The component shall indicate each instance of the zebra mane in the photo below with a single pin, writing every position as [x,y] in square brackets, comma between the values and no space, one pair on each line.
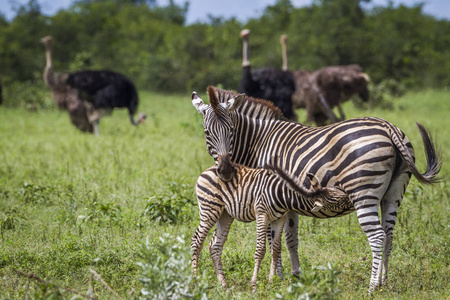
[252,107]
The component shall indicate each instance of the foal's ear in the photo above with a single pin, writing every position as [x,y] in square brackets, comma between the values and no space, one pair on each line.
[198,103]
[233,103]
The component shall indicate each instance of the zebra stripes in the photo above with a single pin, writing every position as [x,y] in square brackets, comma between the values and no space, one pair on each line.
[369,158]
[264,195]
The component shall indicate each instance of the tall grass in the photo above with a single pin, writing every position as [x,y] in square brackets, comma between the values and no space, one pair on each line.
[71,202]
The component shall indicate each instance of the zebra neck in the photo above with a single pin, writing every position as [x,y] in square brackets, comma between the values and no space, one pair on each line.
[253,137]
[248,135]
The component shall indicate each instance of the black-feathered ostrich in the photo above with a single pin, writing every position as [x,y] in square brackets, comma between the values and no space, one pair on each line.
[321,90]
[105,90]
[101,91]
[271,84]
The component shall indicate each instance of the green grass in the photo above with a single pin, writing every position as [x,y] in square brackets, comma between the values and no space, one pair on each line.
[70,202]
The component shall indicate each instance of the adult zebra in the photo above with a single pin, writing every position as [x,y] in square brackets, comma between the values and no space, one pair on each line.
[369,158]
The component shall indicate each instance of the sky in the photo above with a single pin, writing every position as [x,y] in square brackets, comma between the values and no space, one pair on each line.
[240,9]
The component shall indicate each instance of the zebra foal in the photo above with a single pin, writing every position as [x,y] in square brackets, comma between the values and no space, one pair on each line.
[264,195]
[369,158]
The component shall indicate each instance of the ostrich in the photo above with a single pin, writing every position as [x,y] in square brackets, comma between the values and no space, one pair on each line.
[101,91]
[65,97]
[321,90]
[271,84]
[338,84]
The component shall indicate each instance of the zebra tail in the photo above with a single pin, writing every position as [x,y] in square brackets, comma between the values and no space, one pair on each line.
[434,160]
[292,184]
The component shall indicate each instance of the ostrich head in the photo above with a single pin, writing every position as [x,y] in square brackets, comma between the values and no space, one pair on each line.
[363,82]
[47,40]
[140,119]
[245,33]
[218,128]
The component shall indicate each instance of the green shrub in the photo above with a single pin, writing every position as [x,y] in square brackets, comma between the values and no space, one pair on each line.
[171,207]
[382,94]
[317,283]
[165,271]
[28,95]
[10,219]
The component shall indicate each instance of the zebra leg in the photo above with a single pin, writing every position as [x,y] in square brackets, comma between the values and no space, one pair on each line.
[370,223]
[206,223]
[389,206]
[291,238]
[279,263]
[261,228]
[216,245]
[277,232]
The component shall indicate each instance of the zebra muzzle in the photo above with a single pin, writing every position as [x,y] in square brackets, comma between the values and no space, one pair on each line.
[225,168]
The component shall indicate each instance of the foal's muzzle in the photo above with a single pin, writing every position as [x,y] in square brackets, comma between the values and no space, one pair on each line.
[225,168]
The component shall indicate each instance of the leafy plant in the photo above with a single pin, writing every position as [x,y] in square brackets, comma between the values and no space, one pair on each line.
[11,219]
[383,94]
[37,194]
[168,208]
[165,271]
[101,212]
[316,283]
[28,95]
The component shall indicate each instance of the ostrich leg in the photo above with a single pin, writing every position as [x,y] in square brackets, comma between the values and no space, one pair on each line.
[341,112]
[96,132]
[328,110]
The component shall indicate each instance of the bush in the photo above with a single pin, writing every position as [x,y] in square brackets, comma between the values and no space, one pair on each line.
[317,283]
[165,271]
[383,94]
[172,207]
[28,95]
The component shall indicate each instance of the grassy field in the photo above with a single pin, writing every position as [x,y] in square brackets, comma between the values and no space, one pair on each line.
[123,205]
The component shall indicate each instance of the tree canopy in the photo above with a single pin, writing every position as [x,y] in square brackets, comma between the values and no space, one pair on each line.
[153,46]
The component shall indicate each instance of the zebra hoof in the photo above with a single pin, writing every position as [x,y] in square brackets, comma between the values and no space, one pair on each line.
[296,274]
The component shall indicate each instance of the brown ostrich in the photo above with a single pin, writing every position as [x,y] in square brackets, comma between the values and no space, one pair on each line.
[65,97]
[94,92]
[338,84]
[321,90]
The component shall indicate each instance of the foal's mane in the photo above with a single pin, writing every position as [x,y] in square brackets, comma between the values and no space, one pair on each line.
[251,107]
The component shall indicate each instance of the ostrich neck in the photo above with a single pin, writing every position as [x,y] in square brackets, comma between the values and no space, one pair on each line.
[245,56]
[48,56]
[285,59]
[49,76]
[133,121]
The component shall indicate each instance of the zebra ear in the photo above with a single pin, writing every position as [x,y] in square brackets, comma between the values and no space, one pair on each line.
[198,103]
[233,103]
[314,181]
